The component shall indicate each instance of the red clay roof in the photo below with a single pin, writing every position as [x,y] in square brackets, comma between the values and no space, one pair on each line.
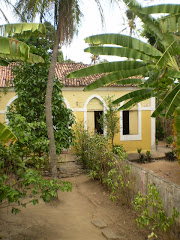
[62,69]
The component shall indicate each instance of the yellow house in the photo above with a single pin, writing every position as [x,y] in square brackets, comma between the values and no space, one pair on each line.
[136,127]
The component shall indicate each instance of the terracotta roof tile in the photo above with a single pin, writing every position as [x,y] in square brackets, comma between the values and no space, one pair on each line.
[62,69]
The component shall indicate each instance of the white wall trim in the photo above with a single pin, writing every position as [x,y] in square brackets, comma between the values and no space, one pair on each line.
[8,104]
[85,110]
[153,124]
[78,109]
[131,137]
[10,101]
[66,102]
[101,89]
[2,112]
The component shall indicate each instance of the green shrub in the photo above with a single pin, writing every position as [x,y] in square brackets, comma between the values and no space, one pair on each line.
[160,133]
[21,184]
[103,165]
[170,140]
[150,212]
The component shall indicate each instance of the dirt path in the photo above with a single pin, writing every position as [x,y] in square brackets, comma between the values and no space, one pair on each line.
[71,218]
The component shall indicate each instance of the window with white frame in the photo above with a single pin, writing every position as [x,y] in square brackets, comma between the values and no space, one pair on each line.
[130,124]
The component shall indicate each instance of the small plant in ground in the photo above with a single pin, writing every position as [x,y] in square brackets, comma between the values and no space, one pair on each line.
[144,157]
[148,156]
[157,142]
[151,214]
[110,119]
[171,156]
[169,140]
[139,150]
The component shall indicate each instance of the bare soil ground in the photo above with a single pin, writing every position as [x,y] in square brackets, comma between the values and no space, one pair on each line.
[71,217]
[166,169]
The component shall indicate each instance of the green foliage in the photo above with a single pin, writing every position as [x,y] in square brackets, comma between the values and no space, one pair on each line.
[45,42]
[6,135]
[144,157]
[105,166]
[171,156]
[14,50]
[27,116]
[118,149]
[170,139]
[110,119]
[150,212]
[160,133]
[21,184]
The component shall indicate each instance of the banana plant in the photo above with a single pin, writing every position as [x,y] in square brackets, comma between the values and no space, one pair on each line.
[157,66]
[13,50]
[6,135]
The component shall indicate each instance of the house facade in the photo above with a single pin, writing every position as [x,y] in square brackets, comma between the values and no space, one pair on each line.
[136,127]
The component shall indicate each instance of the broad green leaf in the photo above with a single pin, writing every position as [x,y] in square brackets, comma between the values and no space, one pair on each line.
[6,134]
[173,73]
[12,47]
[133,95]
[175,102]
[106,68]
[3,63]
[113,77]
[118,51]
[166,101]
[130,81]
[162,8]
[125,41]
[19,28]
[137,99]
[177,126]
[15,50]
[136,8]
[153,78]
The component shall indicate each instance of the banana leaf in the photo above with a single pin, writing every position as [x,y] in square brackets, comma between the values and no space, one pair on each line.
[177,126]
[166,101]
[125,41]
[6,135]
[161,8]
[130,81]
[106,68]
[173,104]
[133,95]
[118,51]
[139,98]
[19,28]
[116,76]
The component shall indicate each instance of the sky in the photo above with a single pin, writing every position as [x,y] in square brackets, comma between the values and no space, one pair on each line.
[115,22]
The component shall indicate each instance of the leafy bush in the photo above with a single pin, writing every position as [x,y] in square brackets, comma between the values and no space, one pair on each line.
[151,213]
[26,115]
[143,158]
[171,156]
[170,139]
[20,184]
[160,133]
[103,165]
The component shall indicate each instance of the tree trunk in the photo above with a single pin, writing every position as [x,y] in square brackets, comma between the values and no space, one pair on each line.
[48,105]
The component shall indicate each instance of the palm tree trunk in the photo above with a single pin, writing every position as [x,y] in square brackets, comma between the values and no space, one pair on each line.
[48,105]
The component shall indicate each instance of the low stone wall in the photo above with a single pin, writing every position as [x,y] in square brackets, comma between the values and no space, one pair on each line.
[169,192]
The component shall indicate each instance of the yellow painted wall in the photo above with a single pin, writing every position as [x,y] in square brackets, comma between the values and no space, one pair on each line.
[133,122]
[77,99]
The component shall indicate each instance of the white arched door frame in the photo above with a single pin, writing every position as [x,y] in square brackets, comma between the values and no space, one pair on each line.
[85,110]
